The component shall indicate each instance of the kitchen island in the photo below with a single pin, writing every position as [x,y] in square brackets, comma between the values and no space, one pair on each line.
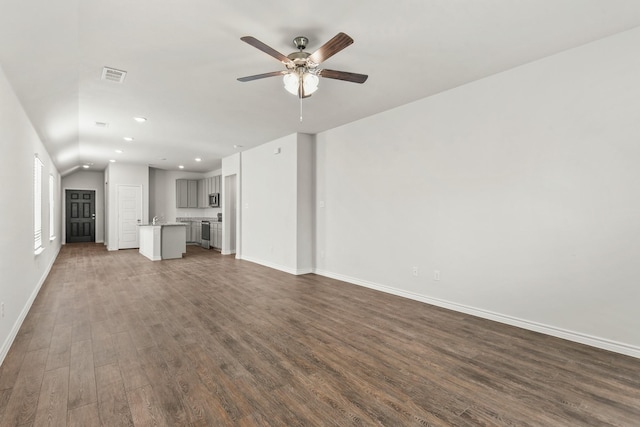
[163,241]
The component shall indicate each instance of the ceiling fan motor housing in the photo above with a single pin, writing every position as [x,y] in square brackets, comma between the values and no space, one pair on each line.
[300,42]
[299,59]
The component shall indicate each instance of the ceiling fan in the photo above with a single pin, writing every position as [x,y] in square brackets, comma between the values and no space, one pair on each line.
[301,75]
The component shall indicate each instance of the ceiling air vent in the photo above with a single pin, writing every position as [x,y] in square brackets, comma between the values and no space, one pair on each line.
[113,75]
[102,124]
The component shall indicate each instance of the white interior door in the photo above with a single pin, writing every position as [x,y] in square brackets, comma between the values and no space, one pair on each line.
[129,215]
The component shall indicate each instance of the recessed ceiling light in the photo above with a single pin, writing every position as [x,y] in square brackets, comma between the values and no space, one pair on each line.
[127,138]
[112,161]
[198,159]
[181,167]
[85,166]
[119,151]
[140,119]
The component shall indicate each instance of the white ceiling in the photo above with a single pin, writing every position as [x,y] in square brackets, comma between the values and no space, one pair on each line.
[183,58]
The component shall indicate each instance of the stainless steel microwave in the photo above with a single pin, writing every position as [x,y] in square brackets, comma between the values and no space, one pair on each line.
[214,200]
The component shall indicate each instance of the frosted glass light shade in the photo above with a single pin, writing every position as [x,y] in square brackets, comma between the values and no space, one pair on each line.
[310,82]
[292,83]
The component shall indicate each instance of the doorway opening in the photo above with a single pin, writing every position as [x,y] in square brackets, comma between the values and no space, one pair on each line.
[230,214]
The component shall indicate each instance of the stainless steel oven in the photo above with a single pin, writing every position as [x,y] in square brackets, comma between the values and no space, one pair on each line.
[206,234]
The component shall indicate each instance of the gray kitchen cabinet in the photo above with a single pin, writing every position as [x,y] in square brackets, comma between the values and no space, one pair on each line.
[203,193]
[182,193]
[186,193]
[196,232]
[188,231]
[193,194]
[214,228]
[218,236]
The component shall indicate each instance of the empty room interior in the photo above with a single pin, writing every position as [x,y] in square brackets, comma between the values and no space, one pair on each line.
[320,213]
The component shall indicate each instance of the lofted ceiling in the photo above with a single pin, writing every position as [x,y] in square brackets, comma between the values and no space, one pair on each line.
[182,58]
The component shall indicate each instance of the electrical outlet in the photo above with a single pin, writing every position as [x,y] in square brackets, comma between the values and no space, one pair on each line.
[436,274]
[415,271]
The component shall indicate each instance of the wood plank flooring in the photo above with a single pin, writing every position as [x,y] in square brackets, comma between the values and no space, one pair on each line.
[114,339]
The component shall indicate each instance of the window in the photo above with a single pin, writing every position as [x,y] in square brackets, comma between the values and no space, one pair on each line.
[37,205]
[52,230]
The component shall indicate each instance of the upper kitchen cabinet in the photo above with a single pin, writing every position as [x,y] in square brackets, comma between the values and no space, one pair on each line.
[186,193]
[207,186]
[203,192]
[191,193]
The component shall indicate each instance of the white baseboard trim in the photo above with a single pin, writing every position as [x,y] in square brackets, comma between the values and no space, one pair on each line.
[289,270]
[578,337]
[23,314]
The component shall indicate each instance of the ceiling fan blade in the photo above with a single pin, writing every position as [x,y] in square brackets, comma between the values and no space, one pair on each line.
[330,48]
[266,49]
[343,75]
[261,76]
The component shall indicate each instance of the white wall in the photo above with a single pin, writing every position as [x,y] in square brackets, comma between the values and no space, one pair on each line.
[269,204]
[305,170]
[123,174]
[276,186]
[522,189]
[86,180]
[21,272]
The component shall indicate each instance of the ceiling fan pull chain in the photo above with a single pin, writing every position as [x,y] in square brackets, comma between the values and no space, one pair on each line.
[300,109]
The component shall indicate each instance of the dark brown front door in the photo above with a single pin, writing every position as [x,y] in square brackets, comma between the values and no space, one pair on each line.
[81,216]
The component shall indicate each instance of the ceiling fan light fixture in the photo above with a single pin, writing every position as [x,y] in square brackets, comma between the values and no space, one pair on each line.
[302,74]
[310,83]
[291,82]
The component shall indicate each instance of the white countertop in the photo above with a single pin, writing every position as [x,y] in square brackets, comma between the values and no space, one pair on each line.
[164,224]
[198,219]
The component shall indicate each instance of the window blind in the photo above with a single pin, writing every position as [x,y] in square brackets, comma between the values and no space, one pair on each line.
[52,233]
[37,203]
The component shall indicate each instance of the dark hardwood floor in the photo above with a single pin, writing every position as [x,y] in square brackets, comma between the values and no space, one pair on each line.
[114,339]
